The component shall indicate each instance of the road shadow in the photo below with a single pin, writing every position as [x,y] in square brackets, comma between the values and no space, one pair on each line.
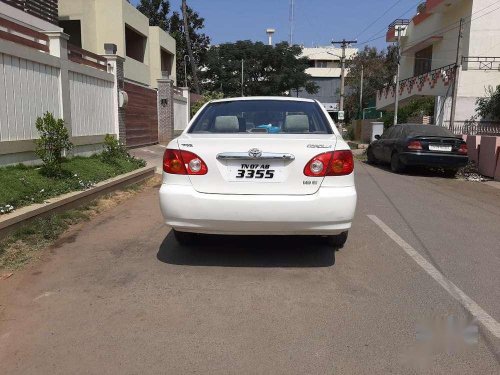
[416,171]
[248,251]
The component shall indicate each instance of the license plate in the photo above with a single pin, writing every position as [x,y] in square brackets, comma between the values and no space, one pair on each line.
[252,171]
[444,148]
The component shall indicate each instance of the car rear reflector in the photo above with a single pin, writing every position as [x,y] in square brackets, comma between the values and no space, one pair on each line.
[183,162]
[463,149]
[336,163]
[414,145]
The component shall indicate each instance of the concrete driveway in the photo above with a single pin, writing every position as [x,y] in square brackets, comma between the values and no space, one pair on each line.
[117,295]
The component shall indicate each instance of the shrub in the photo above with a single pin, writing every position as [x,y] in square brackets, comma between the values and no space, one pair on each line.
[52,144]
[113,149]
[488,107]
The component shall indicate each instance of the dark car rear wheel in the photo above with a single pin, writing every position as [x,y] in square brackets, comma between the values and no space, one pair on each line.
[337,241]
[184,238]
[370,158]
[450,173]
[397,166]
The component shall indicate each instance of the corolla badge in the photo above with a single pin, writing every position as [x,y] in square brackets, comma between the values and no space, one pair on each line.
[255,153]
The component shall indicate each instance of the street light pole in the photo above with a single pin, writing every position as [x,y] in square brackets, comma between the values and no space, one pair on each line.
[361,89]
[242,77]
[396,102]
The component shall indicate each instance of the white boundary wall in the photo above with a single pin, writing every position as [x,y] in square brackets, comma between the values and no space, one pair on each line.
[33,82]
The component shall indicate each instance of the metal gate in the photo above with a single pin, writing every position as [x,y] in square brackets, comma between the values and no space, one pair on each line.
[141,116]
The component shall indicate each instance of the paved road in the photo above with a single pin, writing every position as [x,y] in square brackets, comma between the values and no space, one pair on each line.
[118,295]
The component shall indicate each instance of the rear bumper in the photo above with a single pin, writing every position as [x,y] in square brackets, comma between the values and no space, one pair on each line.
[328,212]
[434,159]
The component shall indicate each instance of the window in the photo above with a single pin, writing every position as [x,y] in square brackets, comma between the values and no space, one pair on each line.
[423,61]
[167,60]
[262,116]
[321,63]
[74,29]
[135,44]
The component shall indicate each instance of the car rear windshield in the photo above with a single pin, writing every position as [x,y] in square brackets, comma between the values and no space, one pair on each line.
[262,116]
[426,131]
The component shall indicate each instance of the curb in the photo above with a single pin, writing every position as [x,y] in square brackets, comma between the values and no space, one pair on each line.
[74,199]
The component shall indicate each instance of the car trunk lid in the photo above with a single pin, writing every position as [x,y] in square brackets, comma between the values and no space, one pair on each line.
[257,163]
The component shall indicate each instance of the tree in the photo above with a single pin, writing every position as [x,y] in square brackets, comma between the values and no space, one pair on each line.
[267,70]
[379,70]
[423,106]
[488,107]
[158,13]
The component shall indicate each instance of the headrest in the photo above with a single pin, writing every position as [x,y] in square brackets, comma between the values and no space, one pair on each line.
[297,124]
[227,124]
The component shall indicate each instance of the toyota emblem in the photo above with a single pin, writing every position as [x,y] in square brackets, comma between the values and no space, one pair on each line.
[255,153]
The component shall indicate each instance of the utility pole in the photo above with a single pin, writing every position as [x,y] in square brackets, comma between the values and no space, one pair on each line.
[458,66]
[242,77]
[189,49]
[361,89]
[186,57]
[399,29]
[291,20]
[343,44]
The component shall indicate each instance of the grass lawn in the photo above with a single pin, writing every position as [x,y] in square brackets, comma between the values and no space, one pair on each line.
[21,185]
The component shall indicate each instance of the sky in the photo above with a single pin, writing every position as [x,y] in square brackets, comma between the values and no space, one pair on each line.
[317,22]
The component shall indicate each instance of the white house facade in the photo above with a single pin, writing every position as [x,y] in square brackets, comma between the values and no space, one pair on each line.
[447,41]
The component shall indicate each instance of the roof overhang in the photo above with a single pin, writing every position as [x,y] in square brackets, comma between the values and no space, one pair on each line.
[423,44]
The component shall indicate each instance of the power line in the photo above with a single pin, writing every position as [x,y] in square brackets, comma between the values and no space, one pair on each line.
[449,27]
[384,29]
[379,18]
[453,25]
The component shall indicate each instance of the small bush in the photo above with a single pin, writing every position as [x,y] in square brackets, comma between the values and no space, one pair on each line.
[52,144]
[113,149]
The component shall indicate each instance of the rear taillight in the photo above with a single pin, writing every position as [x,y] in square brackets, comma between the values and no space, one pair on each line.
[183,162]
[463,149]
[414,145]
[336,163]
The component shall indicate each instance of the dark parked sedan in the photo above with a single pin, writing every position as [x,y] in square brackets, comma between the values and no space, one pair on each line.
[422,145]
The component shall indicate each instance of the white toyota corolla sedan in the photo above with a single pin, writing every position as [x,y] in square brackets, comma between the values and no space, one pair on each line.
[259,166]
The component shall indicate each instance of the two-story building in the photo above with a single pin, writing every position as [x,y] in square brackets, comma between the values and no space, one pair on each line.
[149,51]
[444,34]
[324,68]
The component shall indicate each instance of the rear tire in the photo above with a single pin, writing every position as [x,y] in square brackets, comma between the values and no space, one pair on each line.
[450,173]
[184,238]
[337,241]
[397,166]
[370,158]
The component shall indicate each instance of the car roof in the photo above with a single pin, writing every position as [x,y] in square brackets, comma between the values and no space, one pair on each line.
[247,98]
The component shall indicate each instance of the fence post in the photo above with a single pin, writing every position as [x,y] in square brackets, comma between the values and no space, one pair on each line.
[115,66]
[165,110]
[58,47]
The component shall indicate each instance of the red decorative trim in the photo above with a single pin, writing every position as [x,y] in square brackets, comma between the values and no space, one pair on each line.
[446,74]
[421,17]
[432,4]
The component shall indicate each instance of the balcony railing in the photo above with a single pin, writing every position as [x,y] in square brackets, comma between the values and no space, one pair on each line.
[45,9]
[481,63]
[399,22]
[445,73]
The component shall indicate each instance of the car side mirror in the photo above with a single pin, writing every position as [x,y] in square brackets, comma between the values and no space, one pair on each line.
[377,137]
